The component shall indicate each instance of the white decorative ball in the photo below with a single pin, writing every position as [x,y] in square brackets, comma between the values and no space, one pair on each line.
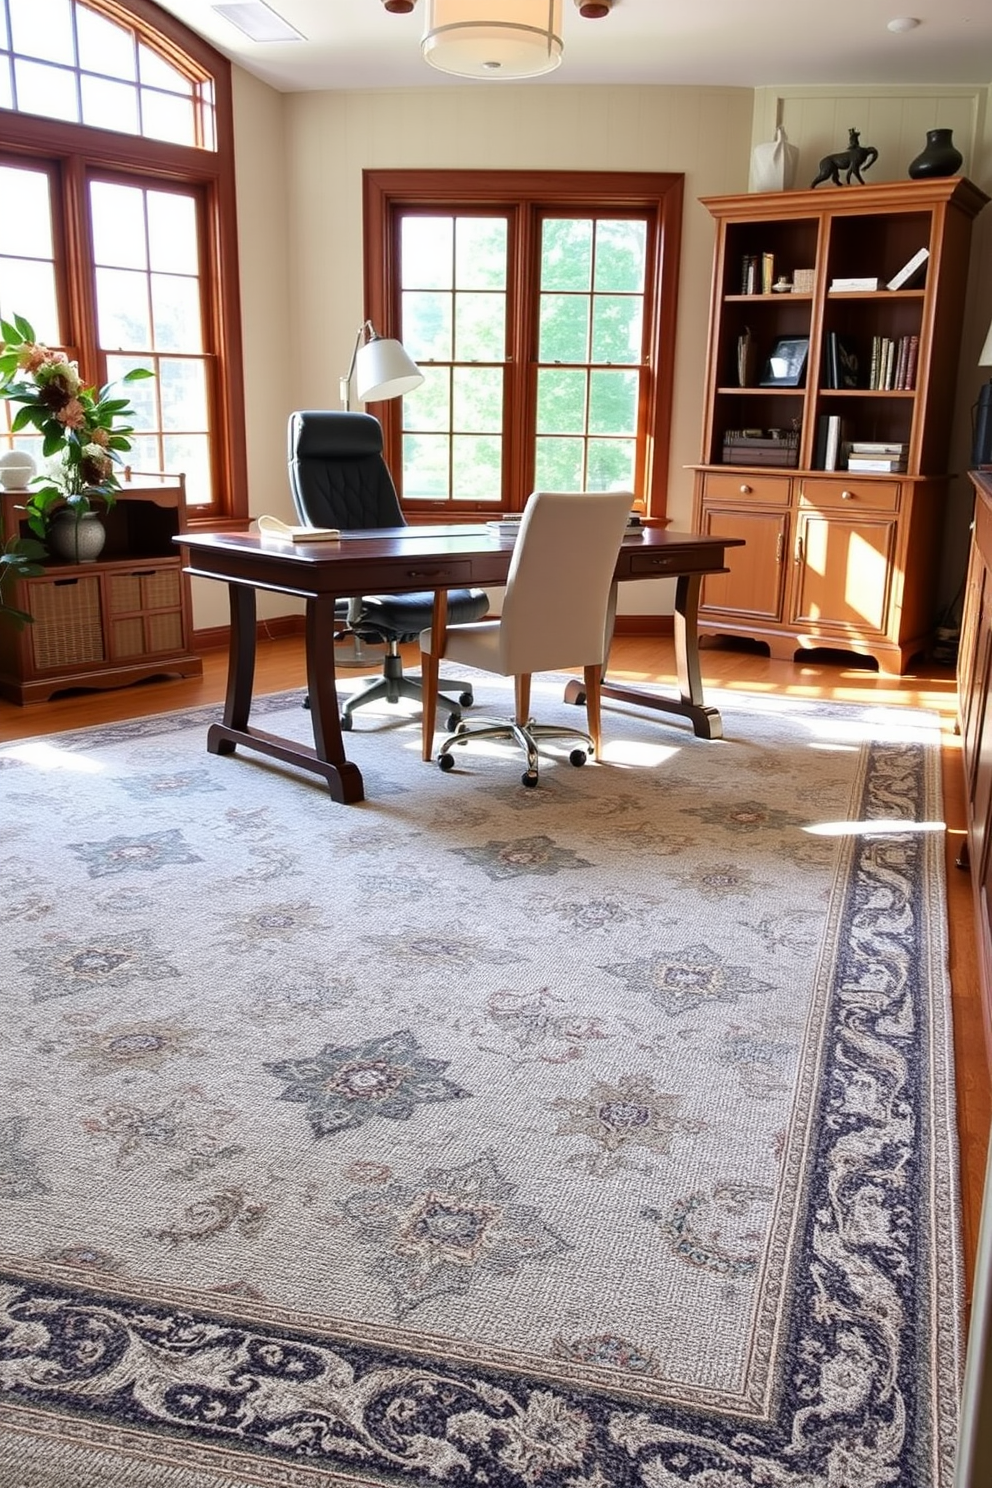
[16,469]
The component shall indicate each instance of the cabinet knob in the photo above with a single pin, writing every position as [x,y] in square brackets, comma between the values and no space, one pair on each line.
[847,496]
[745,490]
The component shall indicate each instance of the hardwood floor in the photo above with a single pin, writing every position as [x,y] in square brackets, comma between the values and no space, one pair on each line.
[640,658]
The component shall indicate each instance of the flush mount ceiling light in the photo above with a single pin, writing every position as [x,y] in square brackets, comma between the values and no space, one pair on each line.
[903,23]
[258,22]
[512,39]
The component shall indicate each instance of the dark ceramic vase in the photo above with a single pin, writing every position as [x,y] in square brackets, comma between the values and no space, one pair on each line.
[940,158]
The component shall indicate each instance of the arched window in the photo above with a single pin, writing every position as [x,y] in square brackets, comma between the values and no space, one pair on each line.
[117,237]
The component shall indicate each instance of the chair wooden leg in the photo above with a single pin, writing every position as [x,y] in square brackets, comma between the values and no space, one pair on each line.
[521,694]
[594,681]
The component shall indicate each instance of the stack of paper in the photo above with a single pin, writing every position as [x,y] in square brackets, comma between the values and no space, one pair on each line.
[505,527]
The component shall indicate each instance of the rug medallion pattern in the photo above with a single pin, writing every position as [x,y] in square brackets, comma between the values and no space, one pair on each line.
[597,1136]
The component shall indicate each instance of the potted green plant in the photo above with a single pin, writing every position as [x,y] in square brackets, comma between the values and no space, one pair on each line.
[18,560]
[84,432]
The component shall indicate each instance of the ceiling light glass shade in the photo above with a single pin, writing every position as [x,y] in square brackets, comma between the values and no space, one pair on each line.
[493,38]
[383,369]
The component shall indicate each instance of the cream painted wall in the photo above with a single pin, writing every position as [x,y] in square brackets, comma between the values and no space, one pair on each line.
[300,163]
[264,231]
[333,137]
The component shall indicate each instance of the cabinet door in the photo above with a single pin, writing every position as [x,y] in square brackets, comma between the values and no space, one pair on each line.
[844,567]
[753,587]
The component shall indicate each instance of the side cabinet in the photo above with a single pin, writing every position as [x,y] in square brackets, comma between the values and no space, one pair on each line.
[125,618]
[838,564]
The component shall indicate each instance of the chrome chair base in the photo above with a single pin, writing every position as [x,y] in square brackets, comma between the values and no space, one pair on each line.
[527,735]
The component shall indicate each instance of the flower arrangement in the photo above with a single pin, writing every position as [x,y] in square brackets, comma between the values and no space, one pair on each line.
[84,431]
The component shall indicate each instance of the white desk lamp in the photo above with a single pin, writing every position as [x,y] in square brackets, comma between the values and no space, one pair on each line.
[381,368]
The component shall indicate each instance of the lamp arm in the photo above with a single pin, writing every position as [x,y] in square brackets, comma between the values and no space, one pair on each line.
[345,387]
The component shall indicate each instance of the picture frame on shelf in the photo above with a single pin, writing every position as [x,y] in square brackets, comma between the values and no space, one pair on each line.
[786,365]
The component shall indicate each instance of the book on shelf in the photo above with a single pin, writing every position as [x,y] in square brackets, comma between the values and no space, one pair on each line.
[832,442]
[878,448]
[839,286]
[910,270]
[893,363]
[842,361]
[767,272]
[876,464]
[745,357]
[749,274]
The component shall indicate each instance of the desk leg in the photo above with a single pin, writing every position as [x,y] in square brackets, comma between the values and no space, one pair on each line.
[706,721]
[344,778]
[221,738]
[326,758]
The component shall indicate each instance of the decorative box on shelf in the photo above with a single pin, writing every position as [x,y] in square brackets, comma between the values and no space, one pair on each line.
[745,447]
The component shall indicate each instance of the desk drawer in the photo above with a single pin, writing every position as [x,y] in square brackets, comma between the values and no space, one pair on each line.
[768,490]
[440,573]
[657,561]
[848,493]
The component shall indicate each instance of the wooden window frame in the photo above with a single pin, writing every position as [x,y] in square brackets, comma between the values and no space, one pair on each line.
[71,152]
[526,194]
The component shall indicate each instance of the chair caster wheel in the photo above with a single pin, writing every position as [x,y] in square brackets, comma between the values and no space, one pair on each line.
[346,723]
[306,701]
[529,778]
[445,762]
[466,699]
[577,757]
[453,720]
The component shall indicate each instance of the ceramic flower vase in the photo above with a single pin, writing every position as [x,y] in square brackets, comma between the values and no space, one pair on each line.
[76,539]
[941,157]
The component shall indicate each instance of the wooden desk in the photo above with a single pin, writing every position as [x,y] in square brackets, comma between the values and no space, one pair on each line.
[412,558]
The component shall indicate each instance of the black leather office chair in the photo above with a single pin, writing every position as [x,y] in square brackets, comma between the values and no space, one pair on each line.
[338,478]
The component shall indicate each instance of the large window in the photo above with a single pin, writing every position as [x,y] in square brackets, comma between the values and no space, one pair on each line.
[541,311]
[118,247]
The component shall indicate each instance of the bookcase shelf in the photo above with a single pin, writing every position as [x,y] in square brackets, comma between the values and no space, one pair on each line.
[833,558]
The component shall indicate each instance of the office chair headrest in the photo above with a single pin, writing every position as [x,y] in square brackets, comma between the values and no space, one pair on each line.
[317,434]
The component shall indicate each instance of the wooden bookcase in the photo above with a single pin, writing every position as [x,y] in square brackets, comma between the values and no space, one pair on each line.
[833,558]
[124,618]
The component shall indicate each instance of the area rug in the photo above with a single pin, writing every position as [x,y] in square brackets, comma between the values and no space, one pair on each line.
[581,1137]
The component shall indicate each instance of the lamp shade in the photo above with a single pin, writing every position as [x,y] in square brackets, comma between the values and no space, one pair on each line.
[486,39]
[985,355]
[383,369]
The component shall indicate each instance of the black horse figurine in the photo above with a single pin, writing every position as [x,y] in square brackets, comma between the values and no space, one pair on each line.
[856,158]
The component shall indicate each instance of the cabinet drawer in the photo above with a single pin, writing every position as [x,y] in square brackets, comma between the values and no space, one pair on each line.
[143,589]
[67,629]
[764,490]
[851,494]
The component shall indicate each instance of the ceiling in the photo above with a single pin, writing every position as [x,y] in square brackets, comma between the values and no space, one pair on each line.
[358,44]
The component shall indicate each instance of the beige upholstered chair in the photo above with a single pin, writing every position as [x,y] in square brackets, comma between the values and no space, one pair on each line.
[558,612]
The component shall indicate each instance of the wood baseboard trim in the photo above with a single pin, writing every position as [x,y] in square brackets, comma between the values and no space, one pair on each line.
[218,637]
[644,625]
